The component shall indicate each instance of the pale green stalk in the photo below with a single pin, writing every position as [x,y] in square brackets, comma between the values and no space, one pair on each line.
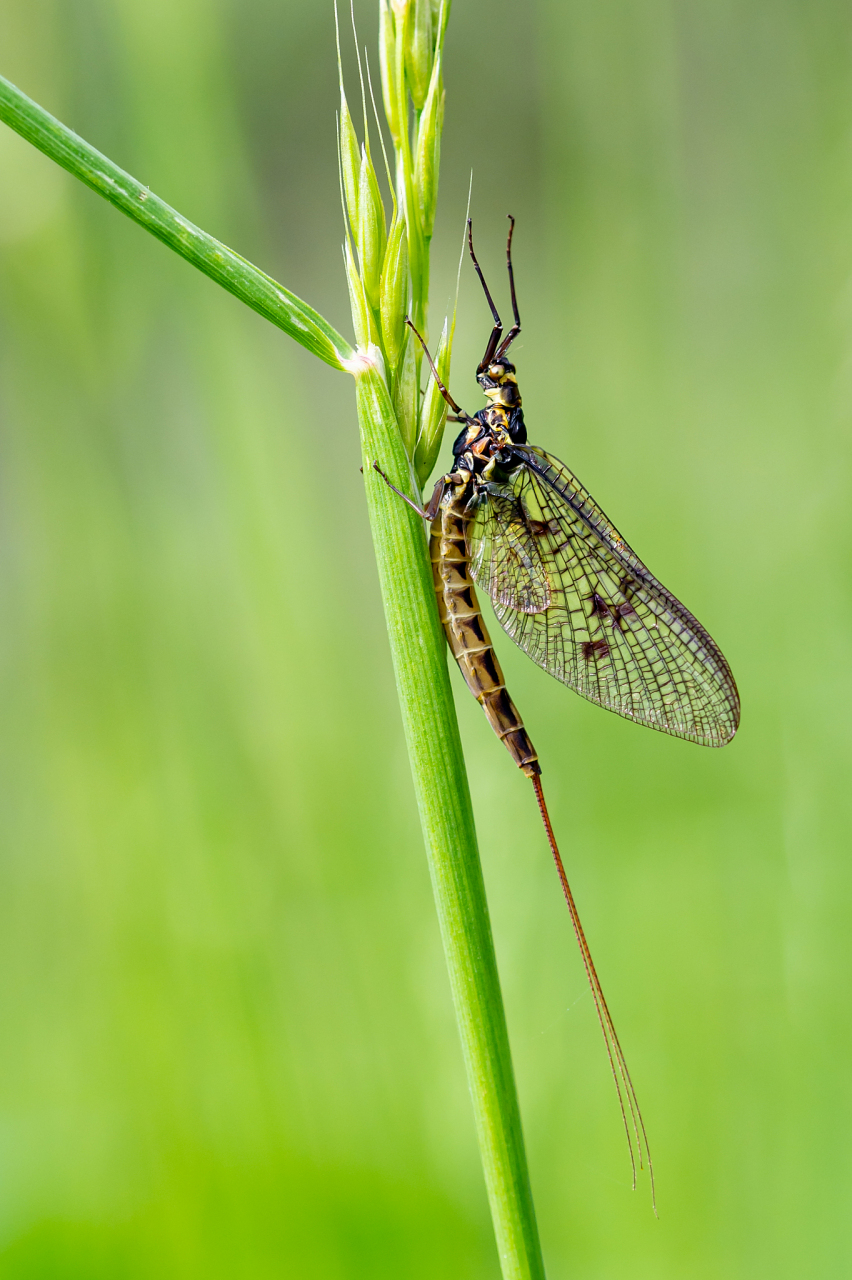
[440,780]
[417,643]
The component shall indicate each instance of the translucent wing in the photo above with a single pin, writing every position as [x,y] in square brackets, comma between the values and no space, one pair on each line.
[504,555]
[574,596]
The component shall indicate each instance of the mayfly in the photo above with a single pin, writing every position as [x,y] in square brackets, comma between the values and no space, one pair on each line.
[571,593]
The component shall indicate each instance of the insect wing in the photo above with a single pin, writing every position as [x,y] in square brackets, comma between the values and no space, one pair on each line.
[609,629]
[505,559]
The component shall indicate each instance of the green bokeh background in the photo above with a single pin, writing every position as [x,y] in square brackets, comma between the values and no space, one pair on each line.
[227,1044]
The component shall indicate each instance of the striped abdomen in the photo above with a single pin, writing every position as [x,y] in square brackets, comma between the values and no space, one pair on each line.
[468,638]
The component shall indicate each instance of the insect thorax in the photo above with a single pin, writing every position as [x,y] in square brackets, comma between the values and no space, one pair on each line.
[490,430]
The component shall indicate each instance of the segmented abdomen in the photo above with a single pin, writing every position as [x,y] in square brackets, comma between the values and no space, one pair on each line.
[468,637]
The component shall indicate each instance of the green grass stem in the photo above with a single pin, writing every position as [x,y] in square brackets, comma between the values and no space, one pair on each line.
[419,654]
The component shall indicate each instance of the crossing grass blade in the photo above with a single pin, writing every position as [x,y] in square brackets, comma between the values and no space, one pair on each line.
[241,278]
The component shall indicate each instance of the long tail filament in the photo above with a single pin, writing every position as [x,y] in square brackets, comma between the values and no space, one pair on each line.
[634,1125]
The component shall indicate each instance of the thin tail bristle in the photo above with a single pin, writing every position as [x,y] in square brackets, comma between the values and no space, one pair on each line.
[634,1125]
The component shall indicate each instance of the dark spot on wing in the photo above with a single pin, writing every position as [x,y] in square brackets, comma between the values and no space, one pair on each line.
[538,528]
[593,649]
[620,612]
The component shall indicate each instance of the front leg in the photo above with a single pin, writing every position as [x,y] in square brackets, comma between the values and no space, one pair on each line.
[431,509]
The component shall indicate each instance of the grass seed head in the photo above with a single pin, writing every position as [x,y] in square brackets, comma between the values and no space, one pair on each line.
[370,229]
[393,302]
[428,154]
[419,50]
[393,92]
[406,393]
[362,320]
[433,416]
[350,162]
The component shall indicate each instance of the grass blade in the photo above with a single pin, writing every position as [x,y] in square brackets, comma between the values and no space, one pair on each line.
[241,278]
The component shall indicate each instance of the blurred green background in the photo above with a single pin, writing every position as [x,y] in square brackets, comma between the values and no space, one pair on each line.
[227,1044]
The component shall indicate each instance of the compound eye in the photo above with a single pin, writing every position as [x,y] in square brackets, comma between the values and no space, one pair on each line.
[496,372]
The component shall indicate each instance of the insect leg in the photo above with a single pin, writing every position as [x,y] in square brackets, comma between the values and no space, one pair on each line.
[516,327]
[443,390]
[498,323]
[431,509]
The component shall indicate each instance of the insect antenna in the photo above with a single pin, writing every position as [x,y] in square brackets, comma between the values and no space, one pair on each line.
[516,327]
[498,323]
[634,1126]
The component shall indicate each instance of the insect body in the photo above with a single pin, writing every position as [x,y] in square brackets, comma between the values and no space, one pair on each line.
[465,627]
[572,594]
